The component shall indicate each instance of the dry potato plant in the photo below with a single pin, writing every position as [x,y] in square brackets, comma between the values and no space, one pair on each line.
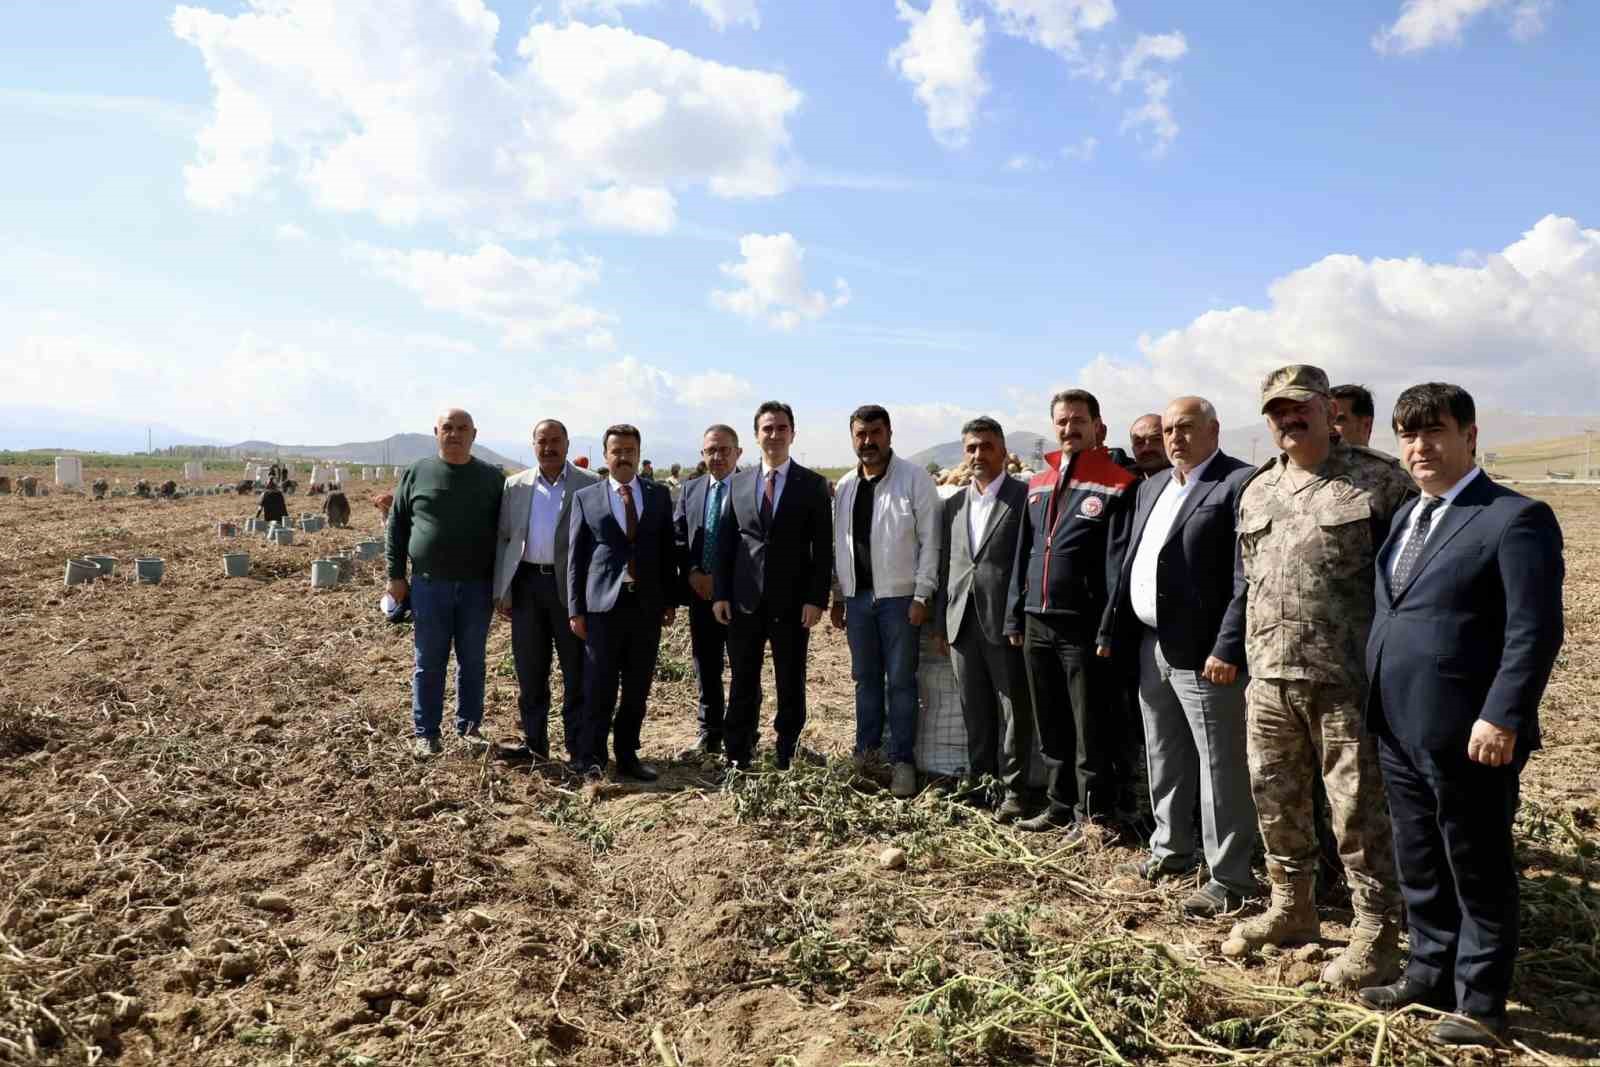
[218,849]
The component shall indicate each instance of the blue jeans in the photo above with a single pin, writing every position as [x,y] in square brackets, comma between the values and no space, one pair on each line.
[449,613]
[883,649]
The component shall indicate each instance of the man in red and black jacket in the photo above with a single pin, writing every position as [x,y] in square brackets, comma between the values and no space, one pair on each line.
[1068,556]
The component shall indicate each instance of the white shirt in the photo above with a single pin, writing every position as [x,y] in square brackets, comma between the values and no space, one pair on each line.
[544,511]
[618,512]
[979,507]
[1142,590]
[777,488]
[1448,497]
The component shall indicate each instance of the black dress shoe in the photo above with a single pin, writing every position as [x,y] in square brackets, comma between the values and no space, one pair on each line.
[782,760]
[632,768]
[1405,992]
[584,768]
[1464,1029]
[739,763]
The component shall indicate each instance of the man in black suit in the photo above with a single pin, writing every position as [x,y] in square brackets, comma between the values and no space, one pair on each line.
[697,523]
[772,584]
[622,577]
[977,614]
[1178,629]
[1468,624]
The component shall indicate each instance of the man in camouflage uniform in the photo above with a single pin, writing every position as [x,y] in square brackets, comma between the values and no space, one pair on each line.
[1310,525]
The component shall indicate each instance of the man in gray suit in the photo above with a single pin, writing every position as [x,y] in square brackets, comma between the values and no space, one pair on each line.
[977,614]
[530,587]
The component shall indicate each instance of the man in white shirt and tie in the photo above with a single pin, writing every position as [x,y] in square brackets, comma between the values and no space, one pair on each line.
[697,523]
[530,586]
[1178,627]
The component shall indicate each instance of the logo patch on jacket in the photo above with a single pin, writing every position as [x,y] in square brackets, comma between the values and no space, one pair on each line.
[1092,507]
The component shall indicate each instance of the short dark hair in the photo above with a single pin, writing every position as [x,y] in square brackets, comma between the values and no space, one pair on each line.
[620,429]
[773,407]
[1359,398]
[1076,396]
[983,424]
[722,427]
[557,423]
[1425,405]
[871,413]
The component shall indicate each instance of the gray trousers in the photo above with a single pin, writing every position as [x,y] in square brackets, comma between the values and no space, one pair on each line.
[1194,733]
[995,705]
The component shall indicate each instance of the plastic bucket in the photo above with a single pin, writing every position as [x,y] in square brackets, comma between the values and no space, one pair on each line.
[82,571]
[283,535]
[366,550]
[107,564]
[236,564]
[149,569]
[227,529]
[324,574]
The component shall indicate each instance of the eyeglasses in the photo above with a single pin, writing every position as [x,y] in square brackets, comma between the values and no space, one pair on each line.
[713,453]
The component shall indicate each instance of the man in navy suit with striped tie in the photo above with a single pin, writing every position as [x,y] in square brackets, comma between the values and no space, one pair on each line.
[701,507]
[1466,631]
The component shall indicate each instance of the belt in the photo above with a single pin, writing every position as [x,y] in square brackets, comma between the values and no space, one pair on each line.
[631,588]
[537,568]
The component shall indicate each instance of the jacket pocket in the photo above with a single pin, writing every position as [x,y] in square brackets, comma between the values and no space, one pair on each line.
[1346,536]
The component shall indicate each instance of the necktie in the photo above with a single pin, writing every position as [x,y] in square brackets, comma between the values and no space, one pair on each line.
[1413,546]
[708,551]
[632,526]
[766,499]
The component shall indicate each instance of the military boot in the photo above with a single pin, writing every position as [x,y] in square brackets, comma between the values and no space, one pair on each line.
[1291,919]
[1373,956]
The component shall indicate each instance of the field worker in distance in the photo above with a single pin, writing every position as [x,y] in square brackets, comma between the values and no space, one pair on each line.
[443,522]
[1353,414]
[1148,448]
[1070,551]
[1469,621]
[773,574]
[530,588]
[886,565]
[1310,523]
[1178,630]
[697,523]
[622,577]
[272,507]
[977,616]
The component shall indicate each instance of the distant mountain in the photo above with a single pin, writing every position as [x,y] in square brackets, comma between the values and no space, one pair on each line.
[949,454]
[48,429]
[398,449]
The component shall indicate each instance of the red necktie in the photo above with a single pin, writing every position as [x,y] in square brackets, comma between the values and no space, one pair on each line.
[766,499]
[632,527]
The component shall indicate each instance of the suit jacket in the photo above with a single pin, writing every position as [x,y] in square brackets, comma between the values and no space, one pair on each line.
[689,526]
[1199,608]
[1475,631]
[980,578]
[598,550]
[514,507]
[783,567]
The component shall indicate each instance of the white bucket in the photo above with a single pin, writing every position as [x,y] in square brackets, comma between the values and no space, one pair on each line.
[69,470]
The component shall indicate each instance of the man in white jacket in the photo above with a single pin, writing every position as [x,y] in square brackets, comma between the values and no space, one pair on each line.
[886,565]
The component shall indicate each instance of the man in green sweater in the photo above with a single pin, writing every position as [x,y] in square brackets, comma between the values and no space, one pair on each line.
[444,520]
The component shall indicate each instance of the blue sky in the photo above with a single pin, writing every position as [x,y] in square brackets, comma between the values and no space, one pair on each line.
[668,211]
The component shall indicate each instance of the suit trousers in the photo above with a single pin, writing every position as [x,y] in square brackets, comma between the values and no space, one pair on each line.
[995,704]
[538,626]
[620,654]
[1194,734]
[708,645]
[1453,848]
[1074,711]
[748,637]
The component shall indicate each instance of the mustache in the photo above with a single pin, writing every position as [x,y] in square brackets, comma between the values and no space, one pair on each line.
[1289,426]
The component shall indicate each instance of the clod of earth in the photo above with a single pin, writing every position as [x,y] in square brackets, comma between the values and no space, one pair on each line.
[892,859]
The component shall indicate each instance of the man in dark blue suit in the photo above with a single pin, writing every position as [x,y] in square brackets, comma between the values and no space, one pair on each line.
[1467,628]
[697,524]
[622,573]
[772,584]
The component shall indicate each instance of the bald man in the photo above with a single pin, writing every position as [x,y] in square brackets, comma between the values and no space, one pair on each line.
[1149,452]
[445,523]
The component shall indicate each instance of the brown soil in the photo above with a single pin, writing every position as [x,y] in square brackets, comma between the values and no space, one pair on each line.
[216,847]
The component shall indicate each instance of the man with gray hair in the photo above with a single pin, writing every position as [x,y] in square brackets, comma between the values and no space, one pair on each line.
[1178,629]
[444,520]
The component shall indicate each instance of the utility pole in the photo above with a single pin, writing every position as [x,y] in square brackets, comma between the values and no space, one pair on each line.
[1588,454]
[148,447]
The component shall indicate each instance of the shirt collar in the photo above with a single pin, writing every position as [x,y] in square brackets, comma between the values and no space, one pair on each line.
[1199,469]
[632,484]
[782,468]
[1450,494]
[992,492]
[539,474]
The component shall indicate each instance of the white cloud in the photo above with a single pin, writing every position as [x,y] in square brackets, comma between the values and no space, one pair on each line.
[401,109]
[773,275]
[940,58]
[711,388]
[532,302]
[1022,163]
[1053,24]
[1425,24]
[1518,330]
[1083,150]
[1138,65]
[722,13]
[290,233]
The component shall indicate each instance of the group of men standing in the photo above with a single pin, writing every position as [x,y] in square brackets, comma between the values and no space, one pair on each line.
[1308,619]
